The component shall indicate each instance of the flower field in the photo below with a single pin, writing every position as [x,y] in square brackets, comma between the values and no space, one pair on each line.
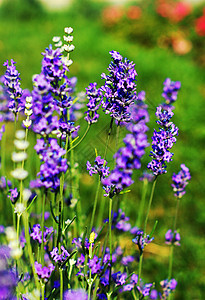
[101,140]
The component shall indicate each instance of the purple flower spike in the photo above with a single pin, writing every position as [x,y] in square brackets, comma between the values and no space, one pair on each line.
[94,97]
[162,142]
[172,238]
[180,181]
[53,163]
[75,295]
[12,84]
[14,195]
[119,90]
[44,273]
[129,157]
[170,92]
[142,240]
[100,167]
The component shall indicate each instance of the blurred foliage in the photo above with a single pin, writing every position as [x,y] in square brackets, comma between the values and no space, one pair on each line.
[21,9]
[24,38]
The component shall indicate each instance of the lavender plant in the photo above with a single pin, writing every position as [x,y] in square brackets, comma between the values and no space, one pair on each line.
[74,257]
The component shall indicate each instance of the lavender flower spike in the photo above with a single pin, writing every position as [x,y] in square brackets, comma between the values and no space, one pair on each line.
[180,181]
[94,96]
[162,141]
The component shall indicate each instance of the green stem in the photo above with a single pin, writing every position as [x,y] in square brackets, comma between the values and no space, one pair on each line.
[110,228]
[172,246]
[18,225]
[42,228]
[30,253]
[84,135]
[134,294]
[94,207]
[142,203]
[61,283]
[149,205]
[145,224]
[108,137]
[42,291]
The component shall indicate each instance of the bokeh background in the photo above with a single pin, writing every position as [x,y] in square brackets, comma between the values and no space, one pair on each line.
[165,38]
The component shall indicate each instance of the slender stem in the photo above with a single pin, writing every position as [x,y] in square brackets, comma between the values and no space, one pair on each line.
[28,244]
[110,228]
[117,136]
[61,283]
[89,285]
[142,203]
[145,225]
[95,205]
[172,245]
[42,228]
[84,135]
[96,288]
[42,291]
[134,294]
[149,205]
[108,137]
[18,225]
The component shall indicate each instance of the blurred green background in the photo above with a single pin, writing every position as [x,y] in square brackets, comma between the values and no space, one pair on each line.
[27,27]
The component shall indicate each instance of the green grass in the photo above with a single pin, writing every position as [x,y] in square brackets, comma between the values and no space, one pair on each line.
[25,40]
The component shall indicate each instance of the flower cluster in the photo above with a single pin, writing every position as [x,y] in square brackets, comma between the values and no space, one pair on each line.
[59,257]
[94,97]
[8,279]
[142,240]
[13,88]
[44,273]
[180,181]
[119,90]
[172,238]
[36,233]
[100,167]
[170,92]
[129,157]
[53,163]
[162,141]
[5,114]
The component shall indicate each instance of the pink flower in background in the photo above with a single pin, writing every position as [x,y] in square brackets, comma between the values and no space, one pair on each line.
[112,15]
[200,25]
[174,11]
[134,12]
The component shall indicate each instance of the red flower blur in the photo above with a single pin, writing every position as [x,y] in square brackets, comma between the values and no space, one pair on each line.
[200,25]
[173,11]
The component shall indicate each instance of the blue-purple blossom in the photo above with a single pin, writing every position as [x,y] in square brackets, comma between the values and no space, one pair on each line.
[162,142]
[180,181]
[170,92]
[120,221]
[146,176]
[36,233]
[172,238]
[8,280]
[13,88]
[129,157]
[75,295]
[4,183]
[53,162]
[119,90]
[13,195]
[5,113]
[100,167]
[59,256]
[94,97]
[142,240]
[168,286]
[44,273]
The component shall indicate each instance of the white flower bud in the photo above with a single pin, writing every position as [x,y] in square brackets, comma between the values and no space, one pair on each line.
[68,30]
[68,39]
[19,208]
[19,174]
[66,61]
[28,105]
[20,134]
[28,112]
[27,123]
[26,194]
[21,145]
[28,99]
[18,157]
[56,39]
